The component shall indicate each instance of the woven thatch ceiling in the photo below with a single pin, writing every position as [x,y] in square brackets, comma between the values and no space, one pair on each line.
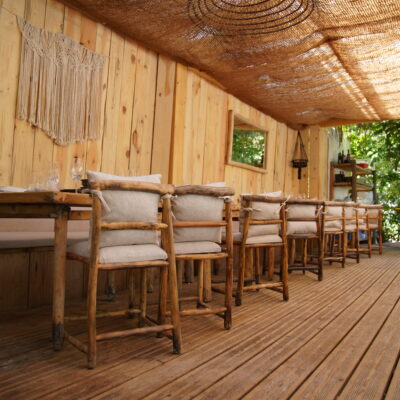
[332,61]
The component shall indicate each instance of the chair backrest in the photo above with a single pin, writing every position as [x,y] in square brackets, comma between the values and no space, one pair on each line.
[263,208]
[303,216]
[351,214]
[372,213]
[333,215]
[128,202]
[198,203]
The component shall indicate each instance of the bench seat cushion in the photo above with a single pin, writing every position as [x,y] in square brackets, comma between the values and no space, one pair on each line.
[121,254]
[237,237]
[21,240]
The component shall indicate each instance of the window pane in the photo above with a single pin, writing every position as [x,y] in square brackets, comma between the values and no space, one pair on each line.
[248,147]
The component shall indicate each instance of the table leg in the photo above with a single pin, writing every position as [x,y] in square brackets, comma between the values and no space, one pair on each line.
[60,249]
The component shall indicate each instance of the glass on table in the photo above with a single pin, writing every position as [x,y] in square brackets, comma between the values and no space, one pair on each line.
[76,172]
[53,179]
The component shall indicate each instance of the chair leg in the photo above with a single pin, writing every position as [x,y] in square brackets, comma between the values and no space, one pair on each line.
[271,263]
[189,271]
[91,320]
[180,265]
[131,288]
[200,283]
[369,237]
[228,293]
[110,291]
[207,281]
[284,272]
[320,260]
[304,254]
[257,265]
[162,300]
[143,296]
[357,242]
[242,263]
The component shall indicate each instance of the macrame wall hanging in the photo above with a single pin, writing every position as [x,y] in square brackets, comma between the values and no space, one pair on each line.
[59,85]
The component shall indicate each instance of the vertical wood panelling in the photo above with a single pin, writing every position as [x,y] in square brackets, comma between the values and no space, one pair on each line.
[163,117]
[24,133]
[10,48]
[143,112]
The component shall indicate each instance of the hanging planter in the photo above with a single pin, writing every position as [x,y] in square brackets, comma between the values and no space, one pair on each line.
[300,159]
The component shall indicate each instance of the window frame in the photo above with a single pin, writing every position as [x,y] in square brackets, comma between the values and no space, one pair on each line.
[232,115]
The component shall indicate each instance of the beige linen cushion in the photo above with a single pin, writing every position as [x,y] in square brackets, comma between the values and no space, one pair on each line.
[190,207]
[333,212]
[263,211]
[121,254]
[197,247]
[301,227]
[237,237]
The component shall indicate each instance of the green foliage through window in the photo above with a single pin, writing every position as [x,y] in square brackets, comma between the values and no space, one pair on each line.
[380,142]
[248,147]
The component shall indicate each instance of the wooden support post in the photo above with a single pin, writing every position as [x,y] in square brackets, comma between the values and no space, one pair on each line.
[60,250]
[257,265]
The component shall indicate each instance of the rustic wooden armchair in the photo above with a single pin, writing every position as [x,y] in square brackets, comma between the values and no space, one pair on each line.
[263,226]
[352,238]
[123,236]
[304,225]
[199,213]
[334,232]
[373,218]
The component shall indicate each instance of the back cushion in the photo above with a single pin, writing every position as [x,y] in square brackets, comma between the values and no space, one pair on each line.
[263,211]
[373,212]
[129,206]
[191,207]
[301,211]
[333,212]
[350,212]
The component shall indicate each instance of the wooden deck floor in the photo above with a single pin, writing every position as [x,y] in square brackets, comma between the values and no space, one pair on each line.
[339,338]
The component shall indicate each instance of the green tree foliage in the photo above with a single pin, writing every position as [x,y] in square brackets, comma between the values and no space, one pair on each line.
[380,142]
[248,147]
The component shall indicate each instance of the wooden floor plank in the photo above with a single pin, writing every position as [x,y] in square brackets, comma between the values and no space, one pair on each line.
[289,376]
[372,375]
[393,392]
[275,349]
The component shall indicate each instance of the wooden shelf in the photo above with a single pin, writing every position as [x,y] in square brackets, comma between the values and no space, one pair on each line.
[349,167]
[361,187]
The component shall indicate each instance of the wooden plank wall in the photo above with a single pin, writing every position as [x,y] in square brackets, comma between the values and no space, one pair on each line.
[137,101]
[158,116]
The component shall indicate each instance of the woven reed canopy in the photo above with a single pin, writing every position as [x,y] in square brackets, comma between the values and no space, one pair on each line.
[303,62]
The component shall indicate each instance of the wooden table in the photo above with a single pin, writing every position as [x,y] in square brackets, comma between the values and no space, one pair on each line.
[56,205]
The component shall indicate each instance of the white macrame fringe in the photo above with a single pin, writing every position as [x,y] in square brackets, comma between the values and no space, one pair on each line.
[59,85]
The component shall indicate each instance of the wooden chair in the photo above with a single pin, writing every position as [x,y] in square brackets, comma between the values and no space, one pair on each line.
[373,214]
[352,240]
[334,232]
[263,226]
[304,225]
[199,213]
[123,236]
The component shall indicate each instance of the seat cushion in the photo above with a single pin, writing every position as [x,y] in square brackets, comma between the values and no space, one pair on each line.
[237,237]
[197,247]
[20,240]
[373,226]
[121,254]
